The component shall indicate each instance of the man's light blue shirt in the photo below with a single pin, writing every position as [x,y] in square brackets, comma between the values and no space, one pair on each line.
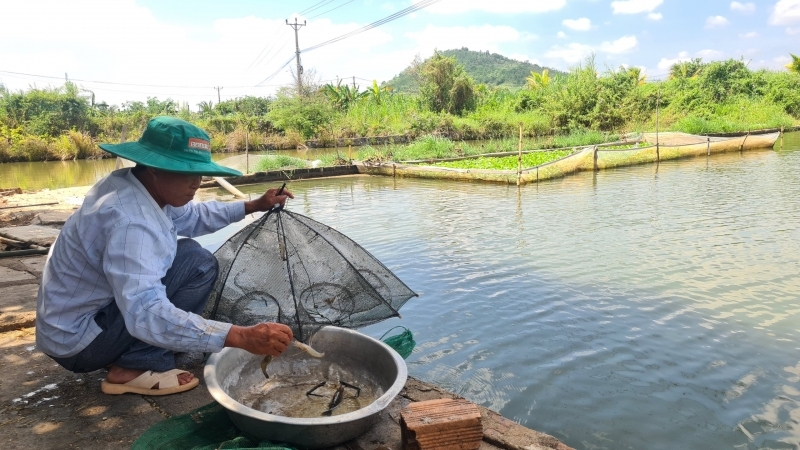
[119,245]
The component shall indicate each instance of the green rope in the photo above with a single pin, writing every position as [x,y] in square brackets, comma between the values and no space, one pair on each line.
[402,343]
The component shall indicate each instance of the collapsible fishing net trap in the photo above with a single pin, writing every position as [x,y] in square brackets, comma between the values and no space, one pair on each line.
[288,268]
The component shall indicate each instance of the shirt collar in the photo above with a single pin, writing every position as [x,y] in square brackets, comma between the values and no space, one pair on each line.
[138,184]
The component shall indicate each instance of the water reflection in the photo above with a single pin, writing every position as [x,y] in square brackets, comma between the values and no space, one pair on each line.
[61,174]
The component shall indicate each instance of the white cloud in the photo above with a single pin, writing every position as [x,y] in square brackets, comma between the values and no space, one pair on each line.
[786,12]
[484,37]
[497,7]
[634,6]
[716,21]
[581,24]
[749,35]
[655,16]
[575,52]
[666,63]
[561,35]
[778,63]
[743,7]
[222,54]
[792,31]
[709,54]
[621,45]
[572,53]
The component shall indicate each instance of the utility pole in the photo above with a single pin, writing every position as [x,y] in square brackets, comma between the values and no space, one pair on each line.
[354,82]
[219,99]
[296,26]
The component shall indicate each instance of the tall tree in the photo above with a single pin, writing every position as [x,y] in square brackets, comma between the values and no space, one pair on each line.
[445,86]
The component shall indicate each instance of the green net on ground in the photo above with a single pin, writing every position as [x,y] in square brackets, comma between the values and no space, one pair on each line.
[402,343]
[206,428]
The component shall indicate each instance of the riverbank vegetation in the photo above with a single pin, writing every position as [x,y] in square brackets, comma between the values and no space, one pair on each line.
[588,105]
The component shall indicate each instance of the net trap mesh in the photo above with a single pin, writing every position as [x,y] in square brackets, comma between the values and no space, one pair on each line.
[288,268]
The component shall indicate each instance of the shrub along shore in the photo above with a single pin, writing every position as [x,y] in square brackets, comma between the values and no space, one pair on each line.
[586,106]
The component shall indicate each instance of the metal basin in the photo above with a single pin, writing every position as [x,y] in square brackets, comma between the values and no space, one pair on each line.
[347,348]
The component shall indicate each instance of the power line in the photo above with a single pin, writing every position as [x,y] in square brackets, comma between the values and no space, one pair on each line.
[150,93]
[326,12]
[311,7]
[118,84]
[276,72]
[276,53]
[414,8]
[316,6]
[274,40]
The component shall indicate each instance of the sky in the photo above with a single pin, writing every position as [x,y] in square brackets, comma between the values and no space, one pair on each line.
[203,50]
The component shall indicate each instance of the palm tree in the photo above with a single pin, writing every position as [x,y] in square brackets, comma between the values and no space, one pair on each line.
[206,108]
[636,74]
[686,69]
[538,80]
[794,66]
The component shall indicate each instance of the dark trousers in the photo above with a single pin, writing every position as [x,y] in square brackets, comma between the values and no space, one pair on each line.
[189,282]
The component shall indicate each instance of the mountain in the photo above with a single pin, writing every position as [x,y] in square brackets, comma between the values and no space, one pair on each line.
[487,68]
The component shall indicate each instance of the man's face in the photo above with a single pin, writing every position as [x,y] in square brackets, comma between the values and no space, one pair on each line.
[175,189]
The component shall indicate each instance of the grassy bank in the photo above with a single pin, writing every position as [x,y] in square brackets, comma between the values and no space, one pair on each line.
[585,106]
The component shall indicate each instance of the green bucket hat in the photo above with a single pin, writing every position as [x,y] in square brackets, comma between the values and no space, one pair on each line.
[173,145]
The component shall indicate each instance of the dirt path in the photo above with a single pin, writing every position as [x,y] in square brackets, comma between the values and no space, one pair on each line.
[20,209]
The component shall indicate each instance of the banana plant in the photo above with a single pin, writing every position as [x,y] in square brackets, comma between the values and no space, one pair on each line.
[538,80]
[377,93]
[342,95]
[794,66]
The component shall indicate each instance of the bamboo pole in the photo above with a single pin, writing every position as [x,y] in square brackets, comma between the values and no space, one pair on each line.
[781,138]
[708,145]
[519,157]
[658,104]
[29,206]
[229,187]
[247,152]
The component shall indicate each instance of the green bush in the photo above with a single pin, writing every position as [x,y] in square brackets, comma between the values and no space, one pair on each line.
[577,107]
[306,115]
[278,162]
[424,147]
[30,148]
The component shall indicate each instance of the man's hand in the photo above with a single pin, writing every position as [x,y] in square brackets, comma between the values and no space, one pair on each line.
[261,339]
[267,201]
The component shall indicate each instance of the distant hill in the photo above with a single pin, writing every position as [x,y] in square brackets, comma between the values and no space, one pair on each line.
[487,68]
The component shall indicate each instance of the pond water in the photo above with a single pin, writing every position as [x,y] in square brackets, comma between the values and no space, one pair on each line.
[60,174]
[648,307]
